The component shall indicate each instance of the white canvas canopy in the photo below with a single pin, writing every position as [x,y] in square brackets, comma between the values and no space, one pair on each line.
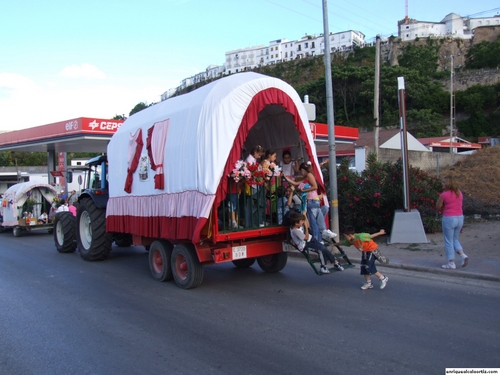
[15,197]
[166,163]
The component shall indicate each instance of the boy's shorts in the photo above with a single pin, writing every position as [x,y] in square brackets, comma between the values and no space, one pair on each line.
[368,264]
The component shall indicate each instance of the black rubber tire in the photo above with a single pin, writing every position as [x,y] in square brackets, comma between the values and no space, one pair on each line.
[65,232]
[123,239]
[92,240]
[160,256]
[16,231]
[273,263]
[244,263]
[186,268]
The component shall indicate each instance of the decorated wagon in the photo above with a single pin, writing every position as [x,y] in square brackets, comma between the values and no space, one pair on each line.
[169,172]
[24,204]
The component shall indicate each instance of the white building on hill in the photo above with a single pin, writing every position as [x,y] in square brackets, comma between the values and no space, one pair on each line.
[453,25]
[279,50]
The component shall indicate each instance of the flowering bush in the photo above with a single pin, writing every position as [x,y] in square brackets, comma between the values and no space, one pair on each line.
[368,200]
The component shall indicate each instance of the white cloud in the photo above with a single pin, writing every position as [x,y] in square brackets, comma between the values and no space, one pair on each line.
[82,71]
[24,104]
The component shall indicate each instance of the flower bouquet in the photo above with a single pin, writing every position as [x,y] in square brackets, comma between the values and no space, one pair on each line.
[240,171]
[273,170]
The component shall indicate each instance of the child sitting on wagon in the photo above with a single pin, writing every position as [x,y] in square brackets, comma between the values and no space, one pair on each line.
[301,238]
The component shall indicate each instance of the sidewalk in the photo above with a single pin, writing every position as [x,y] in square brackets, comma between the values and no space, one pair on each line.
[480,240]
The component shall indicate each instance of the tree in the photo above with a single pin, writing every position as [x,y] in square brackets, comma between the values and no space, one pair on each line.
[484,55]
[25,159]
[423,59]
[138,107]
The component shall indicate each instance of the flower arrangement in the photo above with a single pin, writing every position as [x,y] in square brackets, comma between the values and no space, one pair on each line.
[273,170]
[240,171]
[254,173]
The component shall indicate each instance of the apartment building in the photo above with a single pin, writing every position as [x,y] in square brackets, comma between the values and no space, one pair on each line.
[279,50]
[243,59]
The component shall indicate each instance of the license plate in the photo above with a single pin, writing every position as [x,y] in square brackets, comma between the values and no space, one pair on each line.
[239,252]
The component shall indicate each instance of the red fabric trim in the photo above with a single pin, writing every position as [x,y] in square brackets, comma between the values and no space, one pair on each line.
[148,146]
[250,118]
[134,164]
[159,181]
[172,228]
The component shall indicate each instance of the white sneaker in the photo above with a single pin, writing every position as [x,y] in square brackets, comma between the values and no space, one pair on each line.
[328,234]
[367,286]
[323,269]
[465,260]
[384,282]
[449,266]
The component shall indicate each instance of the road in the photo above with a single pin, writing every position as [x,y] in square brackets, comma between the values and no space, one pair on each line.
[62,315]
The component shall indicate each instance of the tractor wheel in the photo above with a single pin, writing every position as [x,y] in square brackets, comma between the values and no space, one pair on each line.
[65,232]
[160,254]
[273,263]
[186,268]
[244,263]
[93,241]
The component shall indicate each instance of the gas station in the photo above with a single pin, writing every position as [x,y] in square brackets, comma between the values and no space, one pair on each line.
[82,134]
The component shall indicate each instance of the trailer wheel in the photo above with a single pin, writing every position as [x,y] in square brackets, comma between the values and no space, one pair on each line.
[16,231]
[273,263]
[93,241]
[244,263]
[160,254]
[64,232]
[186,268]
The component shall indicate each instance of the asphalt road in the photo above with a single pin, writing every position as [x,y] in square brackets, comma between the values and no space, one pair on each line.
[62,315]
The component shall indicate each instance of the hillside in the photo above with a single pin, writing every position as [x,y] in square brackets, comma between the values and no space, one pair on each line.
[479,180]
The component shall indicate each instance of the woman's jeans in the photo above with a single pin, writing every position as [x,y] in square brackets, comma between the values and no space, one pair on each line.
[452,225]
[316,218]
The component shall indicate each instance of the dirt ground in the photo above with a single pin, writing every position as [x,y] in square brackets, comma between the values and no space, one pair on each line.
[476,236]
[479,175]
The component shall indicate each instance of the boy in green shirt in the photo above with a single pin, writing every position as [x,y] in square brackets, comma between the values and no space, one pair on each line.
[364,243]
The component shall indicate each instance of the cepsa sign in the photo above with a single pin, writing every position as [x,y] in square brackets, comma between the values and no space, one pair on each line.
[100,126]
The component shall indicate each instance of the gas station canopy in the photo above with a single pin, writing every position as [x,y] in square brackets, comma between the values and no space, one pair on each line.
[83,134]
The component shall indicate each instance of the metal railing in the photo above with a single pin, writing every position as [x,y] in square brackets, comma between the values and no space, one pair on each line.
[251,206]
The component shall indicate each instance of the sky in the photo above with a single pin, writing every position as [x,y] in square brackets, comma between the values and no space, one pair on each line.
[63,59]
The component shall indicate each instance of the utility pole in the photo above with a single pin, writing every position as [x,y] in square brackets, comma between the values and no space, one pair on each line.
[376,100]
[334,202]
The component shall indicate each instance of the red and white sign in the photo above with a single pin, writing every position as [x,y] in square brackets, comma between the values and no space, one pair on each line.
[100,126]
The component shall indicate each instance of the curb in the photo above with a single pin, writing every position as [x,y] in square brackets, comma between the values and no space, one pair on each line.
[436,271]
